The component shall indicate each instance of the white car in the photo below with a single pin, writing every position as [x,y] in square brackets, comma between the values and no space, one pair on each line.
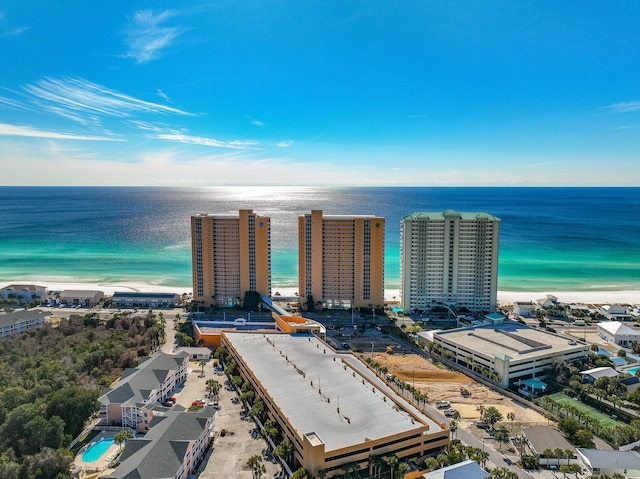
[450,412]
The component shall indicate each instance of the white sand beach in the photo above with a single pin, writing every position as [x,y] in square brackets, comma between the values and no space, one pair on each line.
[391,295]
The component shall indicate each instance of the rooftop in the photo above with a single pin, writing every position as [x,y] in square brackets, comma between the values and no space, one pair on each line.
[162,451]
[544,437]
[19,316]
[136,384]
[127,294]
[442,215]
[611,459]
[23,287]
[601,372]
[463,470]
[331,397]
[616,327]
[517,341]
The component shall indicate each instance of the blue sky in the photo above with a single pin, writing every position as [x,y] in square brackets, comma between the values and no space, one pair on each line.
[319,93]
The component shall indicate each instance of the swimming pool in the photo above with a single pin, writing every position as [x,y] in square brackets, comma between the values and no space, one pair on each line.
[632,371]
[95,451]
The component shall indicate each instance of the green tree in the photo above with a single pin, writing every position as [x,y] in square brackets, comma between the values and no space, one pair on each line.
[375,462]
[403,468]
[122,436]
[569,426]
[257,408]
[301,473]
[256,466]
[74,406]
[502,473]
[502,436]
[391,461]
[47,464]
[251,300]
[491,416]
[284,450]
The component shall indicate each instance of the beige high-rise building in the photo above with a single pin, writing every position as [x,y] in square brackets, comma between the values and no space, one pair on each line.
[230,256]
[449,259]
[341,259]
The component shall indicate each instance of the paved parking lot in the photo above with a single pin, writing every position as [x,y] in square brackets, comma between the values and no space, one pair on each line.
[230,452]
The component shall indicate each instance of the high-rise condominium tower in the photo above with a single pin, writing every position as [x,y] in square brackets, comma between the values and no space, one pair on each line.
[341,260]
[230,256]
[449,259]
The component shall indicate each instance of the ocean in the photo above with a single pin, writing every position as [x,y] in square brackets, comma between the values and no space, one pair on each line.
[570,239]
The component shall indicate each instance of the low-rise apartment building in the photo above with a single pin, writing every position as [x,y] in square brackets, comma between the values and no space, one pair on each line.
[131,402]
[20,321]
[171,449]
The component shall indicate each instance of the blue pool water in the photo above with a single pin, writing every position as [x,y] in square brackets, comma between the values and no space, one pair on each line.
[396,310]
[95,451]
[632,371]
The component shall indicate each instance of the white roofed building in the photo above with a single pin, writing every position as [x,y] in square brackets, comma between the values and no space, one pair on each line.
[23,293]
[598,462]
[618,333]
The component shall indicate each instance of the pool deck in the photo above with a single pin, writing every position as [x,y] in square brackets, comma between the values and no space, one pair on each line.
[100,464]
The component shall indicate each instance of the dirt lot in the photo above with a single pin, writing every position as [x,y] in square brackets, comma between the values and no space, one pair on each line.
[443,384]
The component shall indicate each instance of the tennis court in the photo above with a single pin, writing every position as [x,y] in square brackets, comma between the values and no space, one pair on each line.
[603,419]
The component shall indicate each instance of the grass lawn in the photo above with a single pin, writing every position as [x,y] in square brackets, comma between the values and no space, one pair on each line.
[603,419]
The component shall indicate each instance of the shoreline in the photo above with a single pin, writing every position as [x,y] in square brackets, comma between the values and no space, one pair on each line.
[391,295]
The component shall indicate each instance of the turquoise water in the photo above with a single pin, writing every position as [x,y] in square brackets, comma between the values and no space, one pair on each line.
[97,450]
[551,239]
[633,371]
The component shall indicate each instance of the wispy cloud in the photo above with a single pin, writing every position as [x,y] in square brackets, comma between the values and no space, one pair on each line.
[203,141]
[15,130]
[14,104]
[82,100]
[284,144]
[147,36]
[163,95]
[258,123]
[14,32]
[624,107]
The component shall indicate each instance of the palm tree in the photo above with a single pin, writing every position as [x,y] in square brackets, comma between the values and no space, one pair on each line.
[256,466]
[392,462]
[453,427]
[202,364]
[301,473]
[403,468]
[559,454]
[214,387]
[511,416]
[502,436]
[375,462]
[122,436]
[350,468]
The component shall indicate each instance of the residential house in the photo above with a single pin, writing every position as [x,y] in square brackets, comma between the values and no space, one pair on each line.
[524,309]
[591,375]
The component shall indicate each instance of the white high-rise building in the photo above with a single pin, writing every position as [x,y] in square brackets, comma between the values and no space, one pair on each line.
[449,259]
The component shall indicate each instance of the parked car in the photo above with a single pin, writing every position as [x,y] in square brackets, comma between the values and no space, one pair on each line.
[450,412]
[443,404]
